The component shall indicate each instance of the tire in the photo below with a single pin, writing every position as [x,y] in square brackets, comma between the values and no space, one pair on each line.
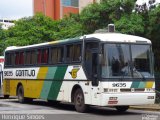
[6,96]
[20,94]
[79,101]
[122,108]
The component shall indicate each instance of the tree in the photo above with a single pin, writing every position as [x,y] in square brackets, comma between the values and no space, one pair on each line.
[130,24]
[152,32]
[69,27]
[31,30]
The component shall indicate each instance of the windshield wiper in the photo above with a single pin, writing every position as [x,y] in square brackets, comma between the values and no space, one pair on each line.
[138,72]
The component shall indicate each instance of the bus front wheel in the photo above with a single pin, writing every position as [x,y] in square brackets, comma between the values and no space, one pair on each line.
[79,101]
[20,94]
[122,108]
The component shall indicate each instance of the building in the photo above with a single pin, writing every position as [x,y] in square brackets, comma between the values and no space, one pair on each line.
[6,23]
[84,3]
[57,9]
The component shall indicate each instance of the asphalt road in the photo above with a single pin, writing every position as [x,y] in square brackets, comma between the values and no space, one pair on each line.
[43,110]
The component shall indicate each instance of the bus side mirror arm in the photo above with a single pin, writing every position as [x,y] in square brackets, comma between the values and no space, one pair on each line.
[100,59]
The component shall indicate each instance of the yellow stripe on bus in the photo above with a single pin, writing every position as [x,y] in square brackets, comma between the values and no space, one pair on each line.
[149,84]
[35,86]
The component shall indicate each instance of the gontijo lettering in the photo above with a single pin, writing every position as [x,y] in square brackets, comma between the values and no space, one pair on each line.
[25,73]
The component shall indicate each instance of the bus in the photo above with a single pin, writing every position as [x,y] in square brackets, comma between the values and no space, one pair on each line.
[99,69]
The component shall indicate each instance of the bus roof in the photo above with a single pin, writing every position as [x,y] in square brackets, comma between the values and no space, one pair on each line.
[118,37]
[105,37]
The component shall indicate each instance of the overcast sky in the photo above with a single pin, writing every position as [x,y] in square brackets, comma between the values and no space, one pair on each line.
[14,9]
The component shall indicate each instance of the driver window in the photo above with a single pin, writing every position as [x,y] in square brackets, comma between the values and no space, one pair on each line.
[89,48]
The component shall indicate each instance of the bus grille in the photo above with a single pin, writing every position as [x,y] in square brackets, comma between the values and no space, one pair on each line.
[131,89]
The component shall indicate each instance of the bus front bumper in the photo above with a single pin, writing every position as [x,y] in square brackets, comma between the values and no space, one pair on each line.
[127,99]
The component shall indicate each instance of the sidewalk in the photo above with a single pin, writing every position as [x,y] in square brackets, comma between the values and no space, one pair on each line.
[154,107]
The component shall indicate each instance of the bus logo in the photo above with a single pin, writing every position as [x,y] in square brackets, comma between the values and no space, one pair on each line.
[74,72]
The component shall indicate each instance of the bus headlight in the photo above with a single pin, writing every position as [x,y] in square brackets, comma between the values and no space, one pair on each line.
[150,89]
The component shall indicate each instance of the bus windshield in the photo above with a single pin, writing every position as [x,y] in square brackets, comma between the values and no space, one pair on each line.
[126,60]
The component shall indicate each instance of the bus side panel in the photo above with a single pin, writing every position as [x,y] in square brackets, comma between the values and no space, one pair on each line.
[57,82]
[74,76]
[32,87]
[48,82]
[6,87]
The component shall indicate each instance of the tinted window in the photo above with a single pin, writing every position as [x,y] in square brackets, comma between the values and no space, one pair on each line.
[77,53]
[57,54]
[116,60]
[43,56]
[73,53]
[70,53]
[19,58]
[60,54]
[28,58]
[9,59]
[141,60]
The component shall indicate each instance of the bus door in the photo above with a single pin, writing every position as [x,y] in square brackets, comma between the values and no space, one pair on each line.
[91,65]
[95,90]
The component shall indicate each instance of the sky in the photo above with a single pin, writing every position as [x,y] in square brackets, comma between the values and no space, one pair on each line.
[15,9]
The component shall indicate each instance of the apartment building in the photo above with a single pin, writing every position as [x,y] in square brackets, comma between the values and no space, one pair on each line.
[57,9]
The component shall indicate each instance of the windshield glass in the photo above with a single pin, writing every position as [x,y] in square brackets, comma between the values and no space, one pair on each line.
[126,60]
[141,60]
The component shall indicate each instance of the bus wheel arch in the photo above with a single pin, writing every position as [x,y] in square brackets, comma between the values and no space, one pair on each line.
[73,92]
[78,99]
[20,93]
[19,84]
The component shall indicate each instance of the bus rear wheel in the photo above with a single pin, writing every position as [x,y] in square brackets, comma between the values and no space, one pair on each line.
[122,108]
[20,94]
[79,101]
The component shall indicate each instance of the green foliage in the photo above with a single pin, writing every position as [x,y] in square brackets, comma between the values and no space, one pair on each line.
[31,30]
[130,24]
[90,17]
[152,32]
[69,27]
[154,24]
[97,16]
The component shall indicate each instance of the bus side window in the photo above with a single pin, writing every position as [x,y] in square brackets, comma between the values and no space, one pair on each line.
[44,56]
[28,58]
[53,55]
[39,56]
[90,48]
[60,55]
[33,57]
[77,52]
[17,58]
[69,56]
[21,58]
[12,58]
[9,58]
